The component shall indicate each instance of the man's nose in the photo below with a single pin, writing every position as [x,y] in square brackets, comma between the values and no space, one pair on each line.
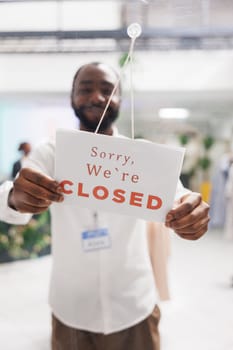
[97,96]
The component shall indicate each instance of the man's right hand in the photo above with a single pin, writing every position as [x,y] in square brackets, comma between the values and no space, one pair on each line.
[33,192]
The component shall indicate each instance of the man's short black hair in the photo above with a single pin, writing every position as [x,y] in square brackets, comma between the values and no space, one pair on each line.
[95,63]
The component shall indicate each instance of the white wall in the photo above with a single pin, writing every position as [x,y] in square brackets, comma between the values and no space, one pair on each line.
[157,71]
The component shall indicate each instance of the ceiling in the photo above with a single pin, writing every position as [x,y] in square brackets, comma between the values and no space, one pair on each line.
[184,57]
[77,26]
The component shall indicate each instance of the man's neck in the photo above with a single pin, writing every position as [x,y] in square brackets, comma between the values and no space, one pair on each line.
[108,131]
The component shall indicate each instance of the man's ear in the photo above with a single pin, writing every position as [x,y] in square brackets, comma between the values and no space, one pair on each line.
[71,100]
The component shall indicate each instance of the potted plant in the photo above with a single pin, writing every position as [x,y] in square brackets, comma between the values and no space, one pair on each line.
[205,165]
[25,241]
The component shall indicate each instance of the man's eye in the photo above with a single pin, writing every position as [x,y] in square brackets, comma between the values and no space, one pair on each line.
[107,92]
[84,91]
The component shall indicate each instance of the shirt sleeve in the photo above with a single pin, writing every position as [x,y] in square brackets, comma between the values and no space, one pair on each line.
[7,214]
[42,160]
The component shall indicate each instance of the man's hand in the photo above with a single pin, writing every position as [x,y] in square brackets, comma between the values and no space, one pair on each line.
[190,216]
[33,192]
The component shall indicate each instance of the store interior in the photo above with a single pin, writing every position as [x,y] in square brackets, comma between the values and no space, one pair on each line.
[183,86]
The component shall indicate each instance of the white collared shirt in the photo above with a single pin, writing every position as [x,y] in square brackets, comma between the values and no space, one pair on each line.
[105,290]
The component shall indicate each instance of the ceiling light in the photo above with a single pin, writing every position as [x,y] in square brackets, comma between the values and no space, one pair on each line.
[173,113]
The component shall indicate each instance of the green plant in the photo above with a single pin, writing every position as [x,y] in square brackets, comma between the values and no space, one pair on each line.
[208,142]
[184,139]
[25,241]
[122,59]
[204,162]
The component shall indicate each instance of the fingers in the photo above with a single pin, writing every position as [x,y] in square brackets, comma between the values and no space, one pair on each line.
[29,204]
[190,228]
[190,218]
[194,235]
[193,219]
[28,208]
[185,206]
[38,178]
[34,192]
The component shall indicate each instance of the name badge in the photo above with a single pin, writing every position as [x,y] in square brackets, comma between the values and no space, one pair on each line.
[96,239]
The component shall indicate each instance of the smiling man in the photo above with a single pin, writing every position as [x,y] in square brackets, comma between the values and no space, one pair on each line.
[103,299]
[89,98]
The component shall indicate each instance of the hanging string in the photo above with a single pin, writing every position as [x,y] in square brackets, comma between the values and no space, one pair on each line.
[132,93]
[134,30]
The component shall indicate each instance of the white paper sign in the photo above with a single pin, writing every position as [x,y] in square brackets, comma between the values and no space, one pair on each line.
[131,177]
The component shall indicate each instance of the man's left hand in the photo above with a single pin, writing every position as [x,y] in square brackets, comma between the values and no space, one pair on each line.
[190,216]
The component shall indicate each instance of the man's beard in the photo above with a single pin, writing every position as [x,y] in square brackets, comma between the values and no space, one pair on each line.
[91,125]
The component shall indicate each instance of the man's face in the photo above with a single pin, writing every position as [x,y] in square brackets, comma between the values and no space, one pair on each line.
[92,89]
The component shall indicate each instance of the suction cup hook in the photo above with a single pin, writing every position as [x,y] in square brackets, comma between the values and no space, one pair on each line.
[134,30]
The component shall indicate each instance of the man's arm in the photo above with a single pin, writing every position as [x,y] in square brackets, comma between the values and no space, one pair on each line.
[8,214]
[159,249]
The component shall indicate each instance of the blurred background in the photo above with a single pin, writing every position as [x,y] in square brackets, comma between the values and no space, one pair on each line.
[183,83]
